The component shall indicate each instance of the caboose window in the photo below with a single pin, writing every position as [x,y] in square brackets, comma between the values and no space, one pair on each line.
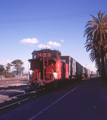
[54,55]
[35,56]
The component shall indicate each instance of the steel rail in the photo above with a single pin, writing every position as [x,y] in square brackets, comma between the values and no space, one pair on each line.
[18,102]
[14,103]
[19,95]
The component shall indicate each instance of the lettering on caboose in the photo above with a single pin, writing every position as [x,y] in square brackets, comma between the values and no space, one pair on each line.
[44,54]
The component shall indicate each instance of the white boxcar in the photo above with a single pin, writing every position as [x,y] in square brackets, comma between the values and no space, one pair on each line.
[73,67]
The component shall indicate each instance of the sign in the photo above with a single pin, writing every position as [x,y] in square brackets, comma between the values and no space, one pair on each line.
[44,54]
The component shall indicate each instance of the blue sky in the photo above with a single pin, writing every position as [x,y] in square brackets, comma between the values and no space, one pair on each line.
[27,25]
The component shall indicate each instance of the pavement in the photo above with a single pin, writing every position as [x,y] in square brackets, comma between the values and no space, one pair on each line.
[84,100]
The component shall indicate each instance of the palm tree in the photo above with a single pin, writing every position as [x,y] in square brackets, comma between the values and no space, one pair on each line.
[94,54]
[96,33]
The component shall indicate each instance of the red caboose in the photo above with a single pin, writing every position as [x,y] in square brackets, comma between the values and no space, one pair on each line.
[42,66]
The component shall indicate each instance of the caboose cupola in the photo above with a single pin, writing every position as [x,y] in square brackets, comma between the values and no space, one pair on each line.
[46,53]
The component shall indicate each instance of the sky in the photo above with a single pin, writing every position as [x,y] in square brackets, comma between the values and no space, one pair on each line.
[28,25]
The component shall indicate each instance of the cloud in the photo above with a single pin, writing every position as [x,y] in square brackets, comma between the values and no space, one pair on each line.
[53,44]
[29,41]
[49,44]
[43,46]
[62,40]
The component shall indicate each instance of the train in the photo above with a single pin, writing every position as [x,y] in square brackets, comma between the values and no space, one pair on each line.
[48,67]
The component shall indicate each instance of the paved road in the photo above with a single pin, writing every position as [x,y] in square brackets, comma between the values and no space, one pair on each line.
[85,100]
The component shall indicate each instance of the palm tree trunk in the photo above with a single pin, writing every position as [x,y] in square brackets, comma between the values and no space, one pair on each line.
[102,64]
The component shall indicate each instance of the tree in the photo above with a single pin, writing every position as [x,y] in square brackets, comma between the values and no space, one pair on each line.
[96,32]
[2,69]
[18,66]
[8,66]
[94,53]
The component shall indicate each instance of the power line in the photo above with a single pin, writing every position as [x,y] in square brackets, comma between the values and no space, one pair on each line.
[51,18]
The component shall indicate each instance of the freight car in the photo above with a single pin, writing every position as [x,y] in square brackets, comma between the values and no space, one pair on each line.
[71,65]
[48,66]
[76,70]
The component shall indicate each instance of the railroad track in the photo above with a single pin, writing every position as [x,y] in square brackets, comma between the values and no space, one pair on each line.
[12,84]
[20,98]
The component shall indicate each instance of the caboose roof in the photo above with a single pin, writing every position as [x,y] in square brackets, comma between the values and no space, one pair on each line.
[46,51]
